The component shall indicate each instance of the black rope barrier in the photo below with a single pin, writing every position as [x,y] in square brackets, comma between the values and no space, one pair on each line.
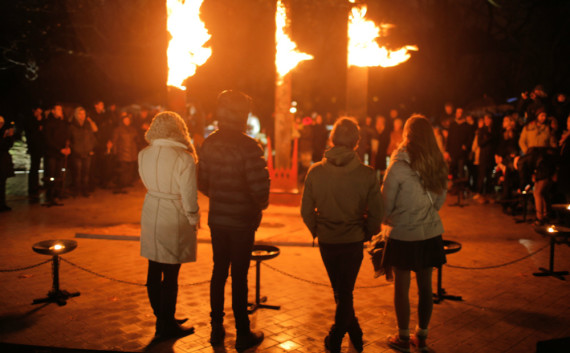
[25,268]
[123,281]
[500,265]
[314,282]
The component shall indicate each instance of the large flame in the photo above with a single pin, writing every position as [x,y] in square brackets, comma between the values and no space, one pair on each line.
[185,49]
[363,50]
[286,56]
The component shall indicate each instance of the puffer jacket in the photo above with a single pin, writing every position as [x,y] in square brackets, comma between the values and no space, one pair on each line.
[341,200]
[409,212]
[233,174]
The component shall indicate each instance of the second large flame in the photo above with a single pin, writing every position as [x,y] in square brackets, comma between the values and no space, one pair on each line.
[286,56]
[363,50]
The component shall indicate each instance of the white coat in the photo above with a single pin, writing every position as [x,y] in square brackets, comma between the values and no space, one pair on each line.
[170,211]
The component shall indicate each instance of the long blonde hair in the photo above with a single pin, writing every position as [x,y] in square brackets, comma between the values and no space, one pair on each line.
[169,125]
[425,155]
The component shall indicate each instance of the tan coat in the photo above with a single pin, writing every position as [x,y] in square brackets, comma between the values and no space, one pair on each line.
[536,135]
[170,210]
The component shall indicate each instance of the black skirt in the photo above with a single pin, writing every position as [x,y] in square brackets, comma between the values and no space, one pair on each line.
[414,255]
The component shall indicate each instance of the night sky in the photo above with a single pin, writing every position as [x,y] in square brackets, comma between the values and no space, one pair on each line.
[116,50]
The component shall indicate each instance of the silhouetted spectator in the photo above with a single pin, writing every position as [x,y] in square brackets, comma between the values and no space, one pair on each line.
[364,148]
[82,142]
[561,110]
[102,170]
[564,164]
[320,138]
[125,149]
[6,165]
[447,116]
[487,142]
[459,142]
[383,140]
[395,136]
[36,147]
[56,133]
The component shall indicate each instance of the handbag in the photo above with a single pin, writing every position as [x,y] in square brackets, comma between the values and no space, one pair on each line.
[376,253]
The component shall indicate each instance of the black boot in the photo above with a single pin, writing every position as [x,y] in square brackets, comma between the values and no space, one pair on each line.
[154,294]
[248,339]
[218,333]
[168,327]
[355,334]
[333,340]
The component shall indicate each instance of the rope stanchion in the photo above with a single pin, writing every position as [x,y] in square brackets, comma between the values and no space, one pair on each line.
[123,281]
[25,268]
[317,283]
[500,265]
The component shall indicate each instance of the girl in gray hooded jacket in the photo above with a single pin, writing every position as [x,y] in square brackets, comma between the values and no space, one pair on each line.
[413,191]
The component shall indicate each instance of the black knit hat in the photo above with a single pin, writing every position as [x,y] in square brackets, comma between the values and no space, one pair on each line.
[233,109]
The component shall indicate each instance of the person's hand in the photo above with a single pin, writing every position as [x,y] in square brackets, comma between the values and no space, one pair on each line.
[524,95]
[66,151]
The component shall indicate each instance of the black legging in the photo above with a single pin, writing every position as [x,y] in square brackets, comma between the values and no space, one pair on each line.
[162,289]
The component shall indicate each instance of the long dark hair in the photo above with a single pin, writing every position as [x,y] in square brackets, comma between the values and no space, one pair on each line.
[425,155]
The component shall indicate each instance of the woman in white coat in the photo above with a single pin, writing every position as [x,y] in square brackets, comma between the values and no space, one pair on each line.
[414,190]
[170,216]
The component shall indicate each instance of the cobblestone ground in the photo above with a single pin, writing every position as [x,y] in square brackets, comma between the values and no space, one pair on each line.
[504,308]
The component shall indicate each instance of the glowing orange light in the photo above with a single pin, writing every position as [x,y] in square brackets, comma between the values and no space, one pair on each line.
[186,49]
[363,50]
[287,57]
[551,229]
[57,247]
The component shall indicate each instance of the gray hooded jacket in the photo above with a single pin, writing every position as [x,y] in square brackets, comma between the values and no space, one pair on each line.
[409,213]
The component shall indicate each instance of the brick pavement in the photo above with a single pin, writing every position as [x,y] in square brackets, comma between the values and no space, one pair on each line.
[505,309]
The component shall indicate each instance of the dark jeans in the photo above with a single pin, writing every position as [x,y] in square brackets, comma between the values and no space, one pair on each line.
[33,177]
[457,167]
[80,167]
[231,247]
[162,290]
[53,176]
[342,262]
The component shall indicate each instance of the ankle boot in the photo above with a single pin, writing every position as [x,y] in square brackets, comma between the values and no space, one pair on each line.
[355,334]
[154,295]
[247,340]
[217,335]
[333,340]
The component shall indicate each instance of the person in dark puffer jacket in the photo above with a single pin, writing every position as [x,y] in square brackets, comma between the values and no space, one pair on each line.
[233,174]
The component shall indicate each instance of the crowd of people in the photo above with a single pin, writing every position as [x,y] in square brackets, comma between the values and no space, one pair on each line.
[412,164]
[80,150]
[493,155]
